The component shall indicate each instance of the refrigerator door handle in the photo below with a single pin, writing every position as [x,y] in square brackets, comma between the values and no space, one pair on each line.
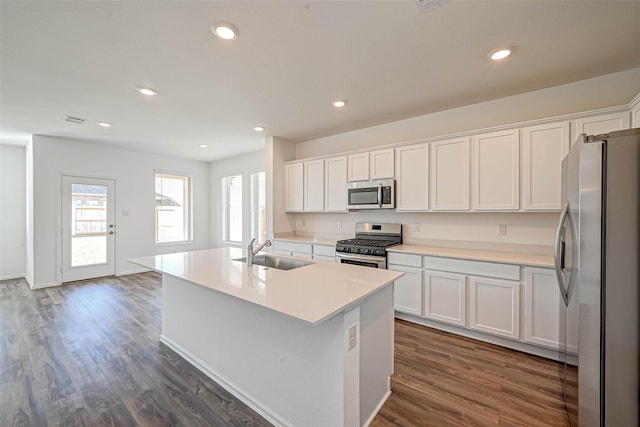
[558,254]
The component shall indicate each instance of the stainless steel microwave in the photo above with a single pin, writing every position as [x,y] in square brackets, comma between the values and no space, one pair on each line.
[378,194]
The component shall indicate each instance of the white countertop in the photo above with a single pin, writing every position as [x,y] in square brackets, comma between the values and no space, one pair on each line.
[312,293]
[519,258]
[477,255]
[308,239]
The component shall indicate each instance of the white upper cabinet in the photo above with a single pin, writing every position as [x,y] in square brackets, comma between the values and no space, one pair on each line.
[294,187]
[381,164]
[358,167]
[450,174]
[635,116]
[543,148]
[412,186]
[496,171]
[314,185]
[605,123]
[335,184]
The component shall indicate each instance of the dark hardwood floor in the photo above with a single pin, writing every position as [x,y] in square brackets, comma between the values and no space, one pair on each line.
[88,354]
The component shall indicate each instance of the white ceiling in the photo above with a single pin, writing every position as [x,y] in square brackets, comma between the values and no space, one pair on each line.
[85,58]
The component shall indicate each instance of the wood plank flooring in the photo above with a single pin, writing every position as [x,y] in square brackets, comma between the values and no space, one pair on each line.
[443,379]
[88,354]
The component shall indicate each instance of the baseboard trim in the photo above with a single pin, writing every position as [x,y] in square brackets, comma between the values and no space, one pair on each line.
[43,285]
[503,342]
[380,405]
[12,276]
[225,383]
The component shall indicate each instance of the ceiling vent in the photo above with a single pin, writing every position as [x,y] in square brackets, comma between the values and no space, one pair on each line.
[424,5]
[73,119]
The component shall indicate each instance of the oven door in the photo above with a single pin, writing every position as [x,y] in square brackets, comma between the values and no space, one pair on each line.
[364,260]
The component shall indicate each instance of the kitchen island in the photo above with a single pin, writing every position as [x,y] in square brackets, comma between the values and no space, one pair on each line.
[311,346]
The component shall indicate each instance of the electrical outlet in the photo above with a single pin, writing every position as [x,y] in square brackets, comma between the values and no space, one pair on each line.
[304,223]
[502,229]
[353,336]
[339,225]
[416,227]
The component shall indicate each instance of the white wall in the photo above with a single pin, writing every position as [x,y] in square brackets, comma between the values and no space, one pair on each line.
[533,231]
[600,92]
[277,152]
[13,216]
[530,232]
[133,172]
[243,165]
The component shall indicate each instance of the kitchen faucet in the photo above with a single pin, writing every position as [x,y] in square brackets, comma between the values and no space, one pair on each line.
[251,253]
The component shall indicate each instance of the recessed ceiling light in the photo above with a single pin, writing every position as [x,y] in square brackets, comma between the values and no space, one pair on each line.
[500,53]
[225,30]
[203,145]
[339,103]
[147,91]
[105,124]
[258,128]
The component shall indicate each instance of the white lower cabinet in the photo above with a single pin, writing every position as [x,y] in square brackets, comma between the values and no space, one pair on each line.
[324,253]
[445,297]
[541,309]
[407,290]
[302,250]
[494,306]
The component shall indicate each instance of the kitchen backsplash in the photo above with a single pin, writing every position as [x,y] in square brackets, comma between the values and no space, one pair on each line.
[525,232]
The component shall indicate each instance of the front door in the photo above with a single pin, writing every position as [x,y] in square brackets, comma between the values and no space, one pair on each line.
[88,228]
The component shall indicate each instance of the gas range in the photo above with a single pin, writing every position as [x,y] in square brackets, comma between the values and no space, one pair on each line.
[369,246]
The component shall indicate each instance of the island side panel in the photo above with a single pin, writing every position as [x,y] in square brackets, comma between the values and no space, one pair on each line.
[290,372]
[376,352]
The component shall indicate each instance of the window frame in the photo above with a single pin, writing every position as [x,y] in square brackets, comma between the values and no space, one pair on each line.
[224,241]
[188,216]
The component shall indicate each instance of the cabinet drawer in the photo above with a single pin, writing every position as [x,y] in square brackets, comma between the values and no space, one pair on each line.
[412,260]
[324,258]
[475,268]
[279,245]
[324,250]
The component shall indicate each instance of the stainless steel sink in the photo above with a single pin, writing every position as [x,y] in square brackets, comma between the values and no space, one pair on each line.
[276,262]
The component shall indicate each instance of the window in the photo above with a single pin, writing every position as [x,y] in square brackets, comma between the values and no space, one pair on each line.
[173,208]
[257,217]
[232,209]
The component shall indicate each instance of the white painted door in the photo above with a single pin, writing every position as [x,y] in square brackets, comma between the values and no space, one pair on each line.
[407,290]
[494,306]
[496,171]
[412,167]
[358,167]
[381,164]
[314,185]
[445,297]
[543,148]
[602,124]
[635,116]
[88,229]
[294,191]
[450,174]
[541,302]
[335,179]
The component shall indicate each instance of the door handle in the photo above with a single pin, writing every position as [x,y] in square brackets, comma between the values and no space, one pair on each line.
[558,254]
[380,195]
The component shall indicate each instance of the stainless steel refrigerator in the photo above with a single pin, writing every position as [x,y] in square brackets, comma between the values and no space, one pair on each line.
[597,258]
